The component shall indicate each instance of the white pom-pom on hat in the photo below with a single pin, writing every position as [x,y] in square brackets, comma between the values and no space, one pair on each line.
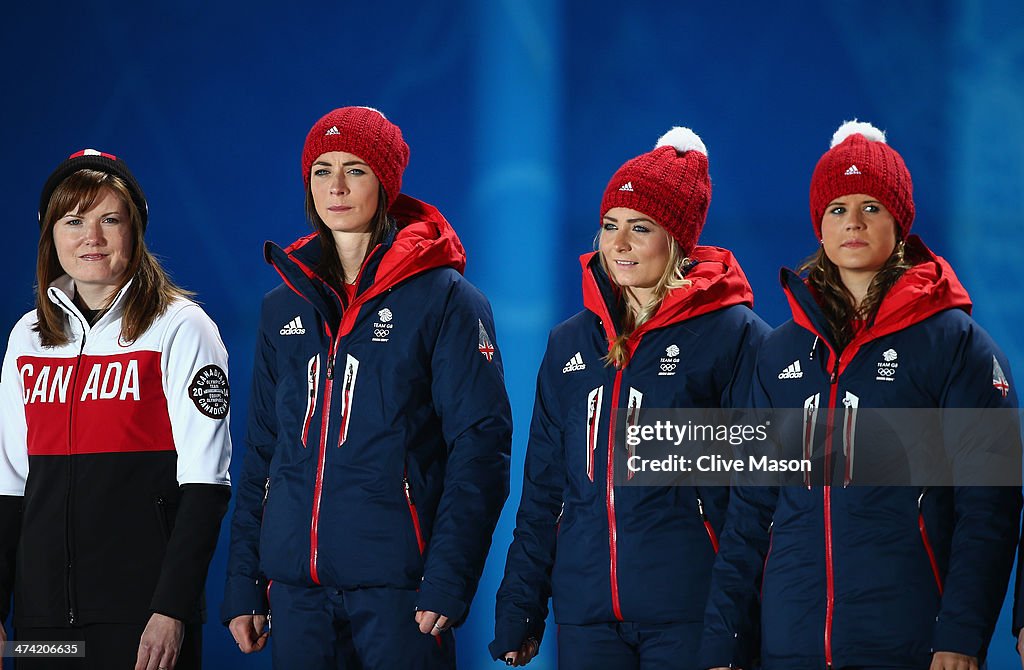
[856,127]
[683,139]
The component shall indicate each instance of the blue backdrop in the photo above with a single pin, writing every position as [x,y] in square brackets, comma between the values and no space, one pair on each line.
[517,113]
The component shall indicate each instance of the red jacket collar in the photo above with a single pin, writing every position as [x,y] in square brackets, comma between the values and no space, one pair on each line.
[717,282]
[924,290]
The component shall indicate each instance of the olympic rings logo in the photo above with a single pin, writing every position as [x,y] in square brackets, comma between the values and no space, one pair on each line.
[381,332]
[886,372]
[668,367]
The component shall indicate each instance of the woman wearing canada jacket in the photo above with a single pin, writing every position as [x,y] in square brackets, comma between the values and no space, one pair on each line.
[865,576]
[666,324]
[379,427]
[114,443]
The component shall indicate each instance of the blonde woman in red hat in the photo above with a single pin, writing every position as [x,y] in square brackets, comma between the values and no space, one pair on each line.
[848,574]
[379,428]
[666,324]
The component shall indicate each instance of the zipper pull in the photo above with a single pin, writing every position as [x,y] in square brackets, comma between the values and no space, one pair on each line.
[813,347]
[266,491]
[700,507]
[835,373]
[408,489]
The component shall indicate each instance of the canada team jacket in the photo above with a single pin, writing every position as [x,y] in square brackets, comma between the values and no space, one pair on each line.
[113,466]
[611,553]
[379,431]
[868,575]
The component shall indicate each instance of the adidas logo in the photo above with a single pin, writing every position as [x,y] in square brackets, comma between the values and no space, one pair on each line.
[293,327]
[628,186]
[851,170]
[575,364]
[793,371]
[332,131]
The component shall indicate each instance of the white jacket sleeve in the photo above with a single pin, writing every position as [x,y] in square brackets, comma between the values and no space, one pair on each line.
[195,372]
[13,429]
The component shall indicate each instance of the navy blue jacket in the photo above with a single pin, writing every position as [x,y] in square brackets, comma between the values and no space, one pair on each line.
[868,575]
[379,430]
[620,553]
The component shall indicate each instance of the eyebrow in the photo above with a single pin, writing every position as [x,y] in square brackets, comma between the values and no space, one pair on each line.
[863,202]
[345,164]
[79,214]
[614,220]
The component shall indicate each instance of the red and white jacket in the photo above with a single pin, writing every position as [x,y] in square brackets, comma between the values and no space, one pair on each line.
[114,464]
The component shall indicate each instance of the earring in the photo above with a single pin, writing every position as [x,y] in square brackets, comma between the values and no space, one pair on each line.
[900,251]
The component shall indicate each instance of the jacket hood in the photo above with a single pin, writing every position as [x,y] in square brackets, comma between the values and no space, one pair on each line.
[927,288]
[717,282]
[423,240]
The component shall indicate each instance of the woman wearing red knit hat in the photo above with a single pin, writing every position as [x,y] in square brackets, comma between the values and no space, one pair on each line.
[379,427]
[847,573]
[666,324]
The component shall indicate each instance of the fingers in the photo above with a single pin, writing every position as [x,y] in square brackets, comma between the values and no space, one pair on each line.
[440,626]
[431,622]
[249,632]
[160,643]
[525,654]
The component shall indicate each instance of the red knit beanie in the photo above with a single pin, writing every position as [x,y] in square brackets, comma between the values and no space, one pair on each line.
[859,161]
[364,132]
[670,184]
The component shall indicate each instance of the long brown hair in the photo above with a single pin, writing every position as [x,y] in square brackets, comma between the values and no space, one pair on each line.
[152,290]
[330,268]
[672,277]
[836,301]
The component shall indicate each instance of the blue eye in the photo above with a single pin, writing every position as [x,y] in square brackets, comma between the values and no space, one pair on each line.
[320,172]
[356,171]
[871,208]
[641,229]
[73,222]
[112,220]
[837,210]
[609,226]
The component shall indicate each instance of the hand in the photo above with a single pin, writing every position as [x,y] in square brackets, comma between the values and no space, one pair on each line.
[160,643]
[525,653]
[250,632]
[432,622]
[948,660]
[3,638]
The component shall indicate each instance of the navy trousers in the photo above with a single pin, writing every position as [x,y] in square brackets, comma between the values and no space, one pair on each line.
[323,628]
[629,646]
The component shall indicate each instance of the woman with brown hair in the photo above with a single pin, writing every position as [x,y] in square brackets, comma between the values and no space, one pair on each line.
[846,573]
[114,437]
[379,428]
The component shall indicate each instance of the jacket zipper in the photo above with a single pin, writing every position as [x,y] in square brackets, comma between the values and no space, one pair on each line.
[69,580]
[413,513]
[927,543]
[764,566]
[318,486]
[610,501]
[707,523]
[827,494]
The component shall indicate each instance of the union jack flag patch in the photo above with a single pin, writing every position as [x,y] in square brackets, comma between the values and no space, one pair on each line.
[999,381]
[485,345]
